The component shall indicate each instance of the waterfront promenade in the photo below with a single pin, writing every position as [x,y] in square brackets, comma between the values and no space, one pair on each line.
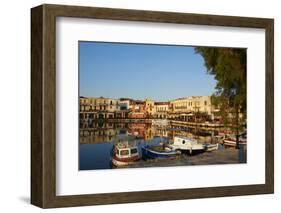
[150,120]
[223,156]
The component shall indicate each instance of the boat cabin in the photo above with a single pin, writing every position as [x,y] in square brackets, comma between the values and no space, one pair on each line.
[184,141]
[126,151]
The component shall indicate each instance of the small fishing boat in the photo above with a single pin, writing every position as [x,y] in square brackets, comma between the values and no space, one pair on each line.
[159,151]
[125,154]
[187,144]
[232,141]
[211,147]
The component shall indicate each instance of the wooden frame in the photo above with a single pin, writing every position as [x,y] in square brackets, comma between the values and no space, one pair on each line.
[43,105]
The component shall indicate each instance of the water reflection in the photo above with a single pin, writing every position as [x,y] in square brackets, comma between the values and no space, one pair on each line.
[101,132]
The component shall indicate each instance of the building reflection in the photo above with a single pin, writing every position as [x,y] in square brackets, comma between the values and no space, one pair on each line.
[100,132]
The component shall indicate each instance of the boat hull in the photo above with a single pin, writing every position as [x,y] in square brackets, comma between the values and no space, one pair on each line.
[119,162]
[227,142]
[149,153]
[191,149]
[211,147]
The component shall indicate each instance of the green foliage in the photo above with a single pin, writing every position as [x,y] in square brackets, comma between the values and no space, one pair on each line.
[228,65]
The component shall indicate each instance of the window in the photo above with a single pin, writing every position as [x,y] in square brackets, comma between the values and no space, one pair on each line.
[134,151]
[124,152]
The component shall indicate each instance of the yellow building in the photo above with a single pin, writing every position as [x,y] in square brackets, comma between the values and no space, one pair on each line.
[91,107]
[86,103]
[149,107]
[161,109]
[192,104]
[105,104]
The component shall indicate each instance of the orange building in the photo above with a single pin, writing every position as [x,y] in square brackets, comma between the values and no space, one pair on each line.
[137,109]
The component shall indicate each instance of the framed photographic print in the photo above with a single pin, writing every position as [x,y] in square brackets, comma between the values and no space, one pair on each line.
[137,106]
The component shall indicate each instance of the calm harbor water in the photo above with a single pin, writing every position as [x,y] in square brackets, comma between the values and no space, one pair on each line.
[98,138]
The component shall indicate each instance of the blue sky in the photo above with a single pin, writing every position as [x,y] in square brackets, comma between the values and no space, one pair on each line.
[139,71]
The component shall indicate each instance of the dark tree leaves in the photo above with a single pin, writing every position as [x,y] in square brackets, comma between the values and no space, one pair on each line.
[228,65]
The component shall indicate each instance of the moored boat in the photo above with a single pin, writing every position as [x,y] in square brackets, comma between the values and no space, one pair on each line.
[159,151]
[232,141]
[211,147]
[187,144]
[125,154]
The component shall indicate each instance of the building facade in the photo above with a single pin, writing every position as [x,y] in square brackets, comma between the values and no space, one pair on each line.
[192,104]
[149,107]
[161,110]
[108,108]
[185,108]
[98,108]
[137,109]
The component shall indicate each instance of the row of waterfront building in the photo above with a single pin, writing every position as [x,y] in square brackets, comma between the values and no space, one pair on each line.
[108,108]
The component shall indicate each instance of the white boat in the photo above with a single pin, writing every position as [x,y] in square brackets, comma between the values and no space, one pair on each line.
[186,144]
[231,140]
[211,147]
[125,154]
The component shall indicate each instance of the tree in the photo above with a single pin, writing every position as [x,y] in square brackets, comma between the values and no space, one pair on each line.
[228,65]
